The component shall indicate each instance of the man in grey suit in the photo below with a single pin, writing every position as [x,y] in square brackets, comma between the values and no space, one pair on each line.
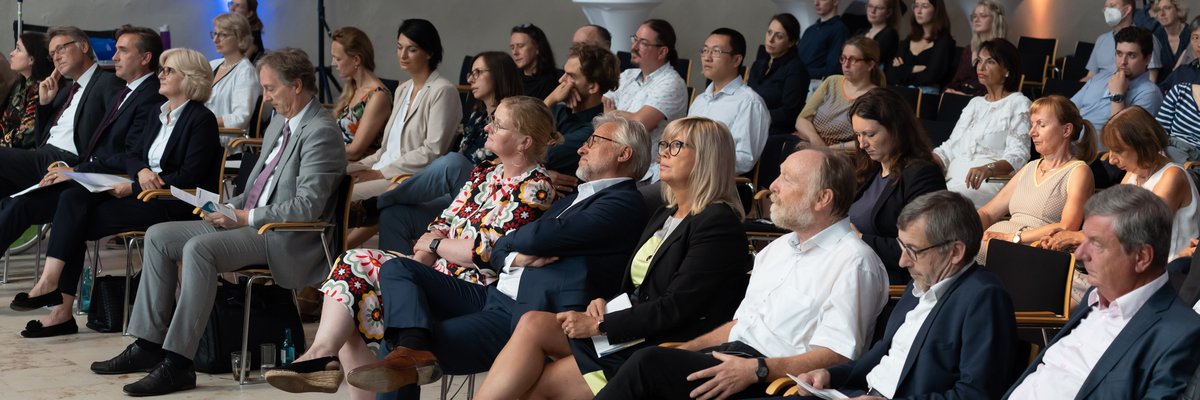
[302,164]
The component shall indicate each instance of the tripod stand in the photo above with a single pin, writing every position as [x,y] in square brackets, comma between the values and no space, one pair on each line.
[325,78]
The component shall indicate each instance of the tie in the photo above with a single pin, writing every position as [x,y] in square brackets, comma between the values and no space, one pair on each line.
[70,95]
[108,119]
[260,182]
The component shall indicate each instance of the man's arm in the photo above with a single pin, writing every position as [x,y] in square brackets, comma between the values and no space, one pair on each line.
[710,339]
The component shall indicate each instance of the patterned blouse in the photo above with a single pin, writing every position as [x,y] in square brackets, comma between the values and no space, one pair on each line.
[348,119]
[487,207]
[473,137]
[17,118]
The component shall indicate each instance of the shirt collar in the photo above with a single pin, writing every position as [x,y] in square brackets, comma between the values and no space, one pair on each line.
[168,114]
[658,72]
[138,82]
[729,89]
[827,238]
[294,122]
[1128,304]
[587,189]
[939,289]
[87,76]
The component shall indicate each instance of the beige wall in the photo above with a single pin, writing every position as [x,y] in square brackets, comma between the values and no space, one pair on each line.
[471,26]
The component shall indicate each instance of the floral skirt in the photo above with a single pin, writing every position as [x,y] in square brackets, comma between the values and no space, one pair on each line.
[354,282]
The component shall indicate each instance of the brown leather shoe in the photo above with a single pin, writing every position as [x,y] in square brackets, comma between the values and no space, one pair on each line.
[402,367]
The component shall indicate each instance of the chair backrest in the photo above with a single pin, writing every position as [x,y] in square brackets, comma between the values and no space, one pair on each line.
[390,84]
[341,213]
[951,106]
[1062,87]
[777,149]
[1033,68]
[257,124]
[1038,280]
[911,95]
[1039,46]
[625,60]
[1083,50]
[684,67]
[464,70]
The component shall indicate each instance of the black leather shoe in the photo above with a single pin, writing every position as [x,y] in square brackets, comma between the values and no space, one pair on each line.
[133,359]
[166,377]
[22,302]
[34,329]
[316,375]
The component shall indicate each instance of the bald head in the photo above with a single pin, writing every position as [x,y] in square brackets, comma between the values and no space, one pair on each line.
[594,35]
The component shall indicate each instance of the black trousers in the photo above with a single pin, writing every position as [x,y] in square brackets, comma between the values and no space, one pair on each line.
[82,216]
[18,213]
[22,168]
[661,373]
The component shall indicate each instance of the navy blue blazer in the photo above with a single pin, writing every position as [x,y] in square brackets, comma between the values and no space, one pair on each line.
[112,146]
[964,349]
[918,179]
[99,94]
[193,155]
[593,240]
[1152,358]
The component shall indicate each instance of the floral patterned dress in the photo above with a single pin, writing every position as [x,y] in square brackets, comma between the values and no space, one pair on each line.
[487,207]
[18,116]
[348,119]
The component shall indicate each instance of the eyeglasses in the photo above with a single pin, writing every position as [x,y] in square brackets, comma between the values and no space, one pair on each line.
[634,41]
[913,253]
[61,48]
[491,120]
[716,53]
[591,140]
[672,148]
[476,73]
[222,35]
[851,60]
[166,71]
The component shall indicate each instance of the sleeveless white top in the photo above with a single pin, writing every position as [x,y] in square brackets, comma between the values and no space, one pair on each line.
[1184,226]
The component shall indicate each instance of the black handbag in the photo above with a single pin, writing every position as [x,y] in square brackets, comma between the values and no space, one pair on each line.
[107,304]
[271,311]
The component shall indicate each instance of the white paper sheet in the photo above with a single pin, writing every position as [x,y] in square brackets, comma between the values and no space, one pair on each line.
[97,183]
[603,347]
[827,394]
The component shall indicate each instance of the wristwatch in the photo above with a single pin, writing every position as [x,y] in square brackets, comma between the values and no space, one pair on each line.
[1117,98]
[761,371]
[433,245]
[1017,236]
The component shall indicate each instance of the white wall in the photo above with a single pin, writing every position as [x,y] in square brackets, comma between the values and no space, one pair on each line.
[471,26]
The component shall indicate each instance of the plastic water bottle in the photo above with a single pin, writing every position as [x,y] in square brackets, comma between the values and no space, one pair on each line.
[165,32]
[287,352]
[85,288]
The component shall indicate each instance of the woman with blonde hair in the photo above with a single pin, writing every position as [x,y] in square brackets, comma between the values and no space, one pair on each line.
[365,103]
[681,281]
[178,146]
[1173,34]
[235,87]
[825,119]
[987,23]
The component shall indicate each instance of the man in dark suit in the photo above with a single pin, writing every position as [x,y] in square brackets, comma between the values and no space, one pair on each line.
[296,179]
[432,316]
[67,117]
[138,50]
[1131,337]
[952,333]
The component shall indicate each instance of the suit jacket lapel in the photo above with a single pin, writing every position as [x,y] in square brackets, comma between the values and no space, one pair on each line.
[1146,317]
[85,92]
[180,125]
[133,96]
[294,142]
[413,106]
[652,226]
[923,333]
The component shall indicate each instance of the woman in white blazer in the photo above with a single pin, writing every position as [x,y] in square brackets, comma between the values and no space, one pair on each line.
[235,86]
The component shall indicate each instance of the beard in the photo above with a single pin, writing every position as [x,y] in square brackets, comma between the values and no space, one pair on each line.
[793,217]
[588,172]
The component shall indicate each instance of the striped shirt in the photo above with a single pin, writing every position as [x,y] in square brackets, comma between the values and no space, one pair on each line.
[1180,115]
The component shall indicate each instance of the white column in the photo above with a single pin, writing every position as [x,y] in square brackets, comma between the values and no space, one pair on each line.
[620,17]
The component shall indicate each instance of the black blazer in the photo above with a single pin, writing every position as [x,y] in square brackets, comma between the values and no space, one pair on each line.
[193,155]
[1153,357]
[964,349]
[112,147]
[593,240]
[693,284]
[783,88]
[97,97]
[916,180]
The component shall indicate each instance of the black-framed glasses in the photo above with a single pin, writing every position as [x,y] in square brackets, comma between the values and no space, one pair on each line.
[635,41]
[166,71]
[913,253]
[591,140]
[476,73]
[60,48]
[671,148]
[716,52]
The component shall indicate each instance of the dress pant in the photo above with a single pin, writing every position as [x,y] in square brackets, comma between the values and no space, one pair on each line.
[82,216]
[406,211]
[661,373]
[469,324]
[201,251]
[22,168]
[17,214]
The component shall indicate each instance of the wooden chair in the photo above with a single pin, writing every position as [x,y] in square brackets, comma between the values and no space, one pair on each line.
[1033,73]
[684,67]
[951,106]
[911,95]
[1038,280]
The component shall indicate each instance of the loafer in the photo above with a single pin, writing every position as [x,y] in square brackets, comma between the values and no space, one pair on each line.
[316,375]
[165,378]
[402,367]
[22,301]
[133,359]
[34,329]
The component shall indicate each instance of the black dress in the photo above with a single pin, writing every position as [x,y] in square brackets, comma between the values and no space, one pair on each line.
[783,88]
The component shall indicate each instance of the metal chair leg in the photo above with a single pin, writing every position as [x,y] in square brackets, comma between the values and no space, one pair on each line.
[471,386]
[130,243]
[246,329]
[37,256]
[7,255]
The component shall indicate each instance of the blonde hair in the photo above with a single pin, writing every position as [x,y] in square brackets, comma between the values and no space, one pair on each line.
[194,68]
[999,27]
[238,26]
[1180,8]
[532,118]
[1083,133]
[712,178]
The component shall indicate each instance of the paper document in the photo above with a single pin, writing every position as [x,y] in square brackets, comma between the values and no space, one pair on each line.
[205,200]
[603,347]
[97,183]
[35,187]
[827,394]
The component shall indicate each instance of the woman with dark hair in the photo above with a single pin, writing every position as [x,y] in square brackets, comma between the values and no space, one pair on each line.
[825,120]
[987,23]
[883,15]
[18,117]
[924,58]
[365,102]
[990,137]
[777,76]
[494,76]
[534,57]
[895,166]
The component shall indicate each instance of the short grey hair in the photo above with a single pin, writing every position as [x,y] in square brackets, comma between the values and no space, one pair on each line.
[837,175]
[1139,218]
[76,34]
[631,133]
[948,217]
[291,64]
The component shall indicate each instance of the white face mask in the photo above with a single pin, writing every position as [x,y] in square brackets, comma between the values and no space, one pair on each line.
[1112,16]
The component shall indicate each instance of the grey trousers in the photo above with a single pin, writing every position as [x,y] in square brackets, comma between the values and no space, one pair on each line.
[201,251]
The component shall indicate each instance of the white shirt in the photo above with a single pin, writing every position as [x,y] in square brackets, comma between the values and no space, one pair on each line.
[233,96]
[1184,224]
[1067,363]
[510,277]
[825,292]
[743,112]
[293,124]
[391,151]
[885,376]
[132,87]
[986,132]
[168,118]
[663,90]
[62,134]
